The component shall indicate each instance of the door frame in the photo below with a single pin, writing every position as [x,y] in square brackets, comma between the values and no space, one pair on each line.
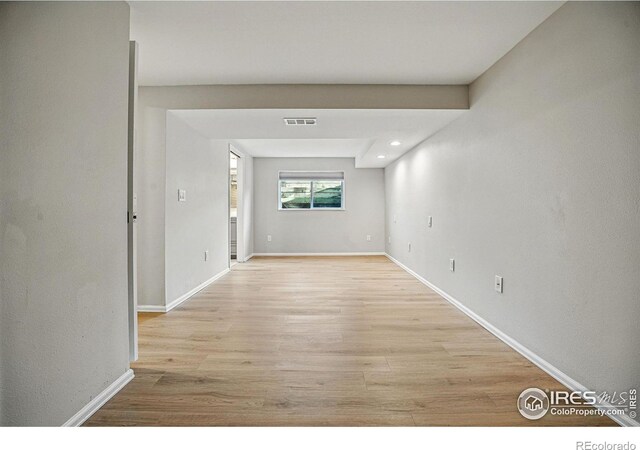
[240,251]
[132,206]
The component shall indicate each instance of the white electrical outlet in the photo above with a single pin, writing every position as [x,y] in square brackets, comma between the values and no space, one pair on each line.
[409,247]
[430,221]
[499,284]
[206,255]
[182,195]
[368,237]
[268,238]
[452,265]
[389,239]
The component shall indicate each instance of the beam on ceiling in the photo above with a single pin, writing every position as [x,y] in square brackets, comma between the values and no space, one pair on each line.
[307,96]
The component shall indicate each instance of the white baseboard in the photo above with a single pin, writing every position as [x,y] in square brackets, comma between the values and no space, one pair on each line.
[248,257]
[323,254]
[96,403]
[184,297]
[151,308]
[556,373]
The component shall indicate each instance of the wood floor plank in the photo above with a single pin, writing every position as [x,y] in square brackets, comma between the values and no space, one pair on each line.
[323,341]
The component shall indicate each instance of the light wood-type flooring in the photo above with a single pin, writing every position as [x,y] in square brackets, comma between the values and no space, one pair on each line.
[340,341]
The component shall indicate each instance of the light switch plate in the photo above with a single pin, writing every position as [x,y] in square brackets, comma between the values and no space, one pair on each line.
[499,284]
[430,221]
[452,265]
[182,195]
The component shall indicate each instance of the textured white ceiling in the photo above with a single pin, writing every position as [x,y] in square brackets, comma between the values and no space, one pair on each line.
[363,134]
[185,43]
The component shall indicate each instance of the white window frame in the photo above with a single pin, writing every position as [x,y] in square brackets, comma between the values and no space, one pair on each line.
[311,208]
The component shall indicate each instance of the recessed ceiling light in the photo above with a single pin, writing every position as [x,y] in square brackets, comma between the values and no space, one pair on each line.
[395,143]
[381,157]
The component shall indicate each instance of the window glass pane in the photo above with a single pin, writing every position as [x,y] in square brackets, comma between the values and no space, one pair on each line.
[295,194]
[327,194]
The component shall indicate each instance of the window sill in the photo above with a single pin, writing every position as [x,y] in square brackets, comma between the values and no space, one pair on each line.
[312,209]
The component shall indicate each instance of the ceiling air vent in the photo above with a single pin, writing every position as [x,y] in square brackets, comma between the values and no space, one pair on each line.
[300,121]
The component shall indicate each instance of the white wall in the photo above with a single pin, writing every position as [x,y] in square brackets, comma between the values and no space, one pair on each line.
[150,176]
[63,205]
[153,106]
[540,183]
[319,231]
[201,167]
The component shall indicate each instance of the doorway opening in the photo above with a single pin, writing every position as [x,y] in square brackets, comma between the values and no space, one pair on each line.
[233,207]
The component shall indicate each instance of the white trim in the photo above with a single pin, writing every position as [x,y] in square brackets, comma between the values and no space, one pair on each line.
[183,297]
[556,373]
[322,254]
[96,403]
[151,308]
[248,258]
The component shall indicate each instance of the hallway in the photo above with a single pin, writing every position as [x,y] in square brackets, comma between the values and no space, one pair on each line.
[339,341]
